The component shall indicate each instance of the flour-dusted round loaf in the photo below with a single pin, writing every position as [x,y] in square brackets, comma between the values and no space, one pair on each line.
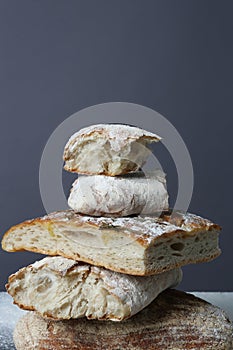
[139,245]
[109,149]
[134,193]
[174,321]
[62,288]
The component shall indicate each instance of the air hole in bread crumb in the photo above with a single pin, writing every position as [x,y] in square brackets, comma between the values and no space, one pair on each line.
[176,254]
[43,284]
[34,240]
[197,239]
[177,246]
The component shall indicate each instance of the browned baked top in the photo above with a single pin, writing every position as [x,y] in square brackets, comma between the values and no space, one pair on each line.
[175,320]
[144,229]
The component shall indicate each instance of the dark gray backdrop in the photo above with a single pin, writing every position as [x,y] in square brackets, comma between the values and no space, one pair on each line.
[57,57]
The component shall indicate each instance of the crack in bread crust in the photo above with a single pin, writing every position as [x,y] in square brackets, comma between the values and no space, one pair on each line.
[61,288]
[108,149]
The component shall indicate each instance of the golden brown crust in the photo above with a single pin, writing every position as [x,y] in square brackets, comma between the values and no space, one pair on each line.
[174,321]
[143,229]
[145,232]
[122,270]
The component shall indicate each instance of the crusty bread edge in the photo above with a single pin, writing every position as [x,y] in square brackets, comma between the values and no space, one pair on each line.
[47,221]
[22,329]
[130,138]
[120,270]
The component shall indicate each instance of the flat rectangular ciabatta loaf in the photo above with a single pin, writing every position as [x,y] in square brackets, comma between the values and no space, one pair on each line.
[134,193]
[109,149]
[61,288]
[132,245]
[174,321]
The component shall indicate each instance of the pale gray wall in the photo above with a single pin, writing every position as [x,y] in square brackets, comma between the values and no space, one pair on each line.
[174,56]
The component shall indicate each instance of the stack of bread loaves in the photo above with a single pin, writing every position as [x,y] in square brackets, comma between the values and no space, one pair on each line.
[113,253]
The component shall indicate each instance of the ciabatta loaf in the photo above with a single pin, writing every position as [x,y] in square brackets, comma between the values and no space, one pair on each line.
[134,193]
[132,245]
[109,149]
[174,321]
[61,288]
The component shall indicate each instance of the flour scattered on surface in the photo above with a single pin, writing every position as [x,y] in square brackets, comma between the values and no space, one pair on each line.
[9,315]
